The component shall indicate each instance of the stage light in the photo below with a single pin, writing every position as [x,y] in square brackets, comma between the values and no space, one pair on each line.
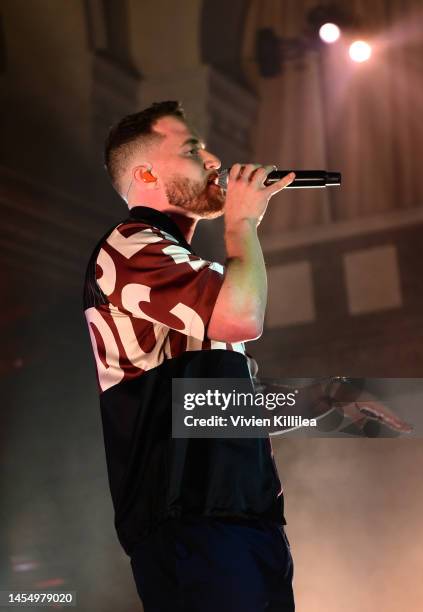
[360,51]
[329,32]
[324,24]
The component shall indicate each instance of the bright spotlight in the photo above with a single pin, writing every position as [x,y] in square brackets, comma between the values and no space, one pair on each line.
[329,32]
[360,51]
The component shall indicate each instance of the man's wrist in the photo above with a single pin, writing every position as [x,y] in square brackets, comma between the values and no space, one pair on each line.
[241,225]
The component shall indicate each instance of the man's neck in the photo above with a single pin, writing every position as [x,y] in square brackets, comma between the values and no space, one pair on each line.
[186,224]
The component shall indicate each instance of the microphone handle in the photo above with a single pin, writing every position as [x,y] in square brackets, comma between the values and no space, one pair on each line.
[303,178]
[306,178]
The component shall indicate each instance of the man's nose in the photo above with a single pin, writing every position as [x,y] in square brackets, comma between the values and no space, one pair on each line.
[211,162]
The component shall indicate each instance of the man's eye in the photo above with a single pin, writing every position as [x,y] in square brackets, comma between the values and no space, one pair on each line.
[193,151]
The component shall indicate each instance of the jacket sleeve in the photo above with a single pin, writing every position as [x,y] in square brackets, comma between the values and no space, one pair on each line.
[146,273]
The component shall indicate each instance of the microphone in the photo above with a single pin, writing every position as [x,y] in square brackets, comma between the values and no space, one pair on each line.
[303,178]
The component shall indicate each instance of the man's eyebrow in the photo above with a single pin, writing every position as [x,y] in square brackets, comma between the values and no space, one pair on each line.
[194,141]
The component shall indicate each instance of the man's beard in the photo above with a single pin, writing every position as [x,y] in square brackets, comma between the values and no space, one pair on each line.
[193,196]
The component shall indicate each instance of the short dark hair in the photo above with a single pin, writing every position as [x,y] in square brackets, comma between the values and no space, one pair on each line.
[135,129]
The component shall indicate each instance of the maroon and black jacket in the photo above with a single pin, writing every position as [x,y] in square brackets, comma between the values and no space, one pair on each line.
[148,299]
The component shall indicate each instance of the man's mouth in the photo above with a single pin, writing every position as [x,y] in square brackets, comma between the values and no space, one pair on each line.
[213,179]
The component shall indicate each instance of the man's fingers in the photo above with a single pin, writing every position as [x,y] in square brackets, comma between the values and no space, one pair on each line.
[279,185]
[248,171]
[362,411]
[380,412]
[260,174]
[234,172]
[256,174]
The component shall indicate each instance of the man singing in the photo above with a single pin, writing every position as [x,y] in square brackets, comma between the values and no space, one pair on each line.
[201,519]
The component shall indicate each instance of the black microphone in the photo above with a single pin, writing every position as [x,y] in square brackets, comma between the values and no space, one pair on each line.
[303,178]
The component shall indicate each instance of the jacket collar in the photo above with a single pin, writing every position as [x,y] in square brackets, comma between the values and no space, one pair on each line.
[158,219]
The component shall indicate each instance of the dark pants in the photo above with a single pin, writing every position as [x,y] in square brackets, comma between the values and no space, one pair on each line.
[213,565]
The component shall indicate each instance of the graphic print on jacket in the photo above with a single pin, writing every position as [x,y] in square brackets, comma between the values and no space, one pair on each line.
[161,315]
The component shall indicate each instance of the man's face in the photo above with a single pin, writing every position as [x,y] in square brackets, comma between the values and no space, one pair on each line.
[186,168]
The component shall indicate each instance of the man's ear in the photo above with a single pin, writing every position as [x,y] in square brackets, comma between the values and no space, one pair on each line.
[145,175]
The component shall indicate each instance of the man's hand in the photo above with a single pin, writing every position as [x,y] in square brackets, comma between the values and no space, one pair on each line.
[325,395]
[360,406]
[246,196]
[239,309]
[374,409]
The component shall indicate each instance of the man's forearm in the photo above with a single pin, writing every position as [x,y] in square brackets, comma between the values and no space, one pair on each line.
[241,304]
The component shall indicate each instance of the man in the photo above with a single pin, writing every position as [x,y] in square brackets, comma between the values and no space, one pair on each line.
[201,519]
